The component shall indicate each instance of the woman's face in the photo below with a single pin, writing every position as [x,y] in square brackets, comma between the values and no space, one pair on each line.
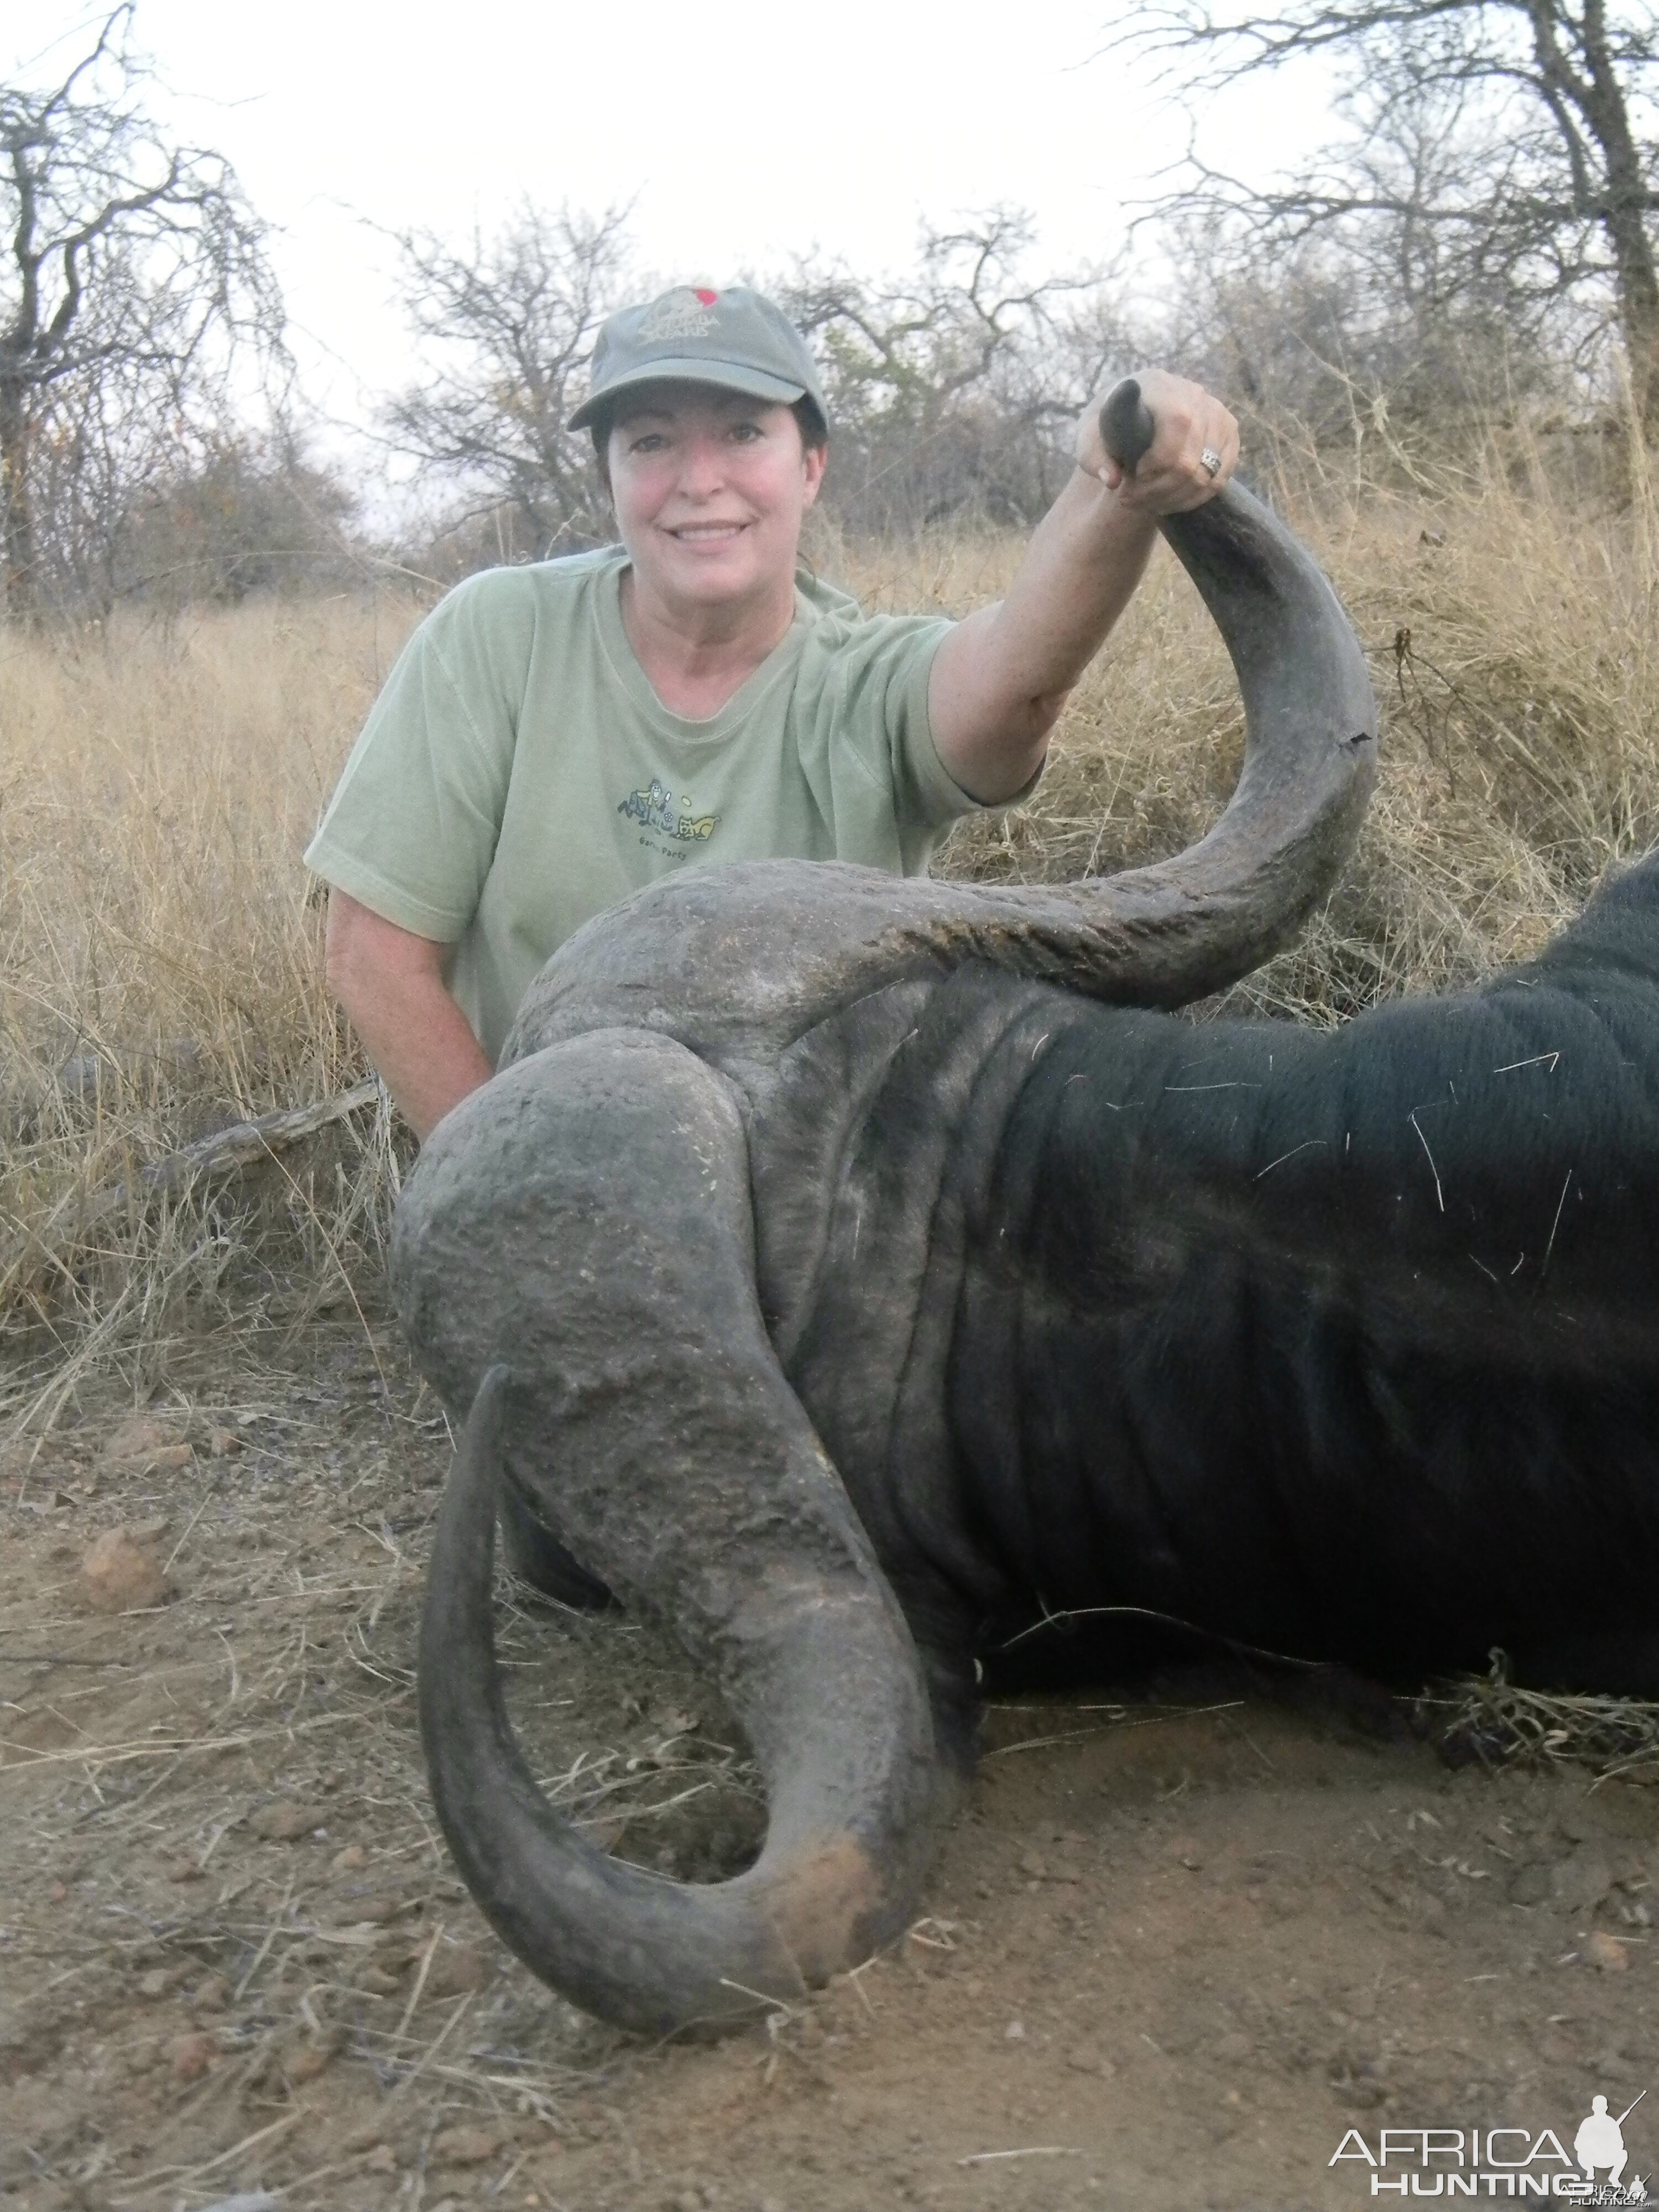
[709,490]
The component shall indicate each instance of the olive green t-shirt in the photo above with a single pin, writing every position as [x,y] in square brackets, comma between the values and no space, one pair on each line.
[518,774]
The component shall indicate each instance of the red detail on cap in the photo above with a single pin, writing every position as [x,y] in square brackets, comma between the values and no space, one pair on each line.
[707,298]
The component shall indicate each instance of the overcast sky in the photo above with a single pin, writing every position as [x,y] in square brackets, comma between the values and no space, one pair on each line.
[740,135]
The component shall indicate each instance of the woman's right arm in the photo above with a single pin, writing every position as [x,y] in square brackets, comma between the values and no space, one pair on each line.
[390,982]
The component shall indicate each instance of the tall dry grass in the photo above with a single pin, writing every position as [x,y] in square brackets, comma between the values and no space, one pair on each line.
[162,969]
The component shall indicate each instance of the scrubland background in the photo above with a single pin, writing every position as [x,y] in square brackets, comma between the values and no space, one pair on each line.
[1443,341]
[161,773]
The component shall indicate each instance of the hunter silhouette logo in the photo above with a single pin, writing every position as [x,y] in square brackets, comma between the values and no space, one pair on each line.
[1507,2161]
[1600,2142]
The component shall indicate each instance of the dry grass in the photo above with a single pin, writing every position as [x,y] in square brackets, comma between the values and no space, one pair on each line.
[1489,1718]
[162,970]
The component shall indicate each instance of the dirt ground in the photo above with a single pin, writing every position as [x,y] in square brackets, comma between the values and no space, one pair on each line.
[1174,1951]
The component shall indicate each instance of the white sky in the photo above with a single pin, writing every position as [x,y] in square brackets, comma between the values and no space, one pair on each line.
[740,134]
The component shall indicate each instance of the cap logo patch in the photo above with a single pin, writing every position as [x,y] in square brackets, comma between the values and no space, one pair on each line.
[681,313]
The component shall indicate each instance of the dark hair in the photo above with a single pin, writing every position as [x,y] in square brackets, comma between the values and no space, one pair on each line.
[814,433]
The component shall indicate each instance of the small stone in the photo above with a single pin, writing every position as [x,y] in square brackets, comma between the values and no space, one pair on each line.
[57,1892]
[285,1823]
[222,1442]
[305,2064]
[138,1446]
[192,2056]
[1032,1866]
[156,1984]
[467,2146]
[1426,537]
[213,1994]
[137,1438]
[121,1574]
[1187,1853]
[377,1982]
[1606,1952]
[456,1968]
[1015,2032]
[382,2158]
[348,1860]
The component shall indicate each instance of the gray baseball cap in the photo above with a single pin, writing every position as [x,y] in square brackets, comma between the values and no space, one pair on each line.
[735,339]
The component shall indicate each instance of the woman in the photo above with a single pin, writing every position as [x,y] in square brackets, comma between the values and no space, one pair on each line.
[555,738]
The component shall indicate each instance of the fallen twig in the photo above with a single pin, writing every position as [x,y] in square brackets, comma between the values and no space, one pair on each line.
[209,1159]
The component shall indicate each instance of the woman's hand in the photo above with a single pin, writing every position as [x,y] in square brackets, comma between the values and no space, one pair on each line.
[1192,428]
[1001,677]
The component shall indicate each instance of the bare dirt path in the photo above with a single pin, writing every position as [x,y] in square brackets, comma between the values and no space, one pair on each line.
[1173,1952]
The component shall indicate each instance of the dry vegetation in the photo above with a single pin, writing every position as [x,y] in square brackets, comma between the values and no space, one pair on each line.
[162,972]
[225,1877]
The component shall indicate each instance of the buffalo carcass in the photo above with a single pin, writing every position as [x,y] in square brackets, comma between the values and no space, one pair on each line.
[839,1265]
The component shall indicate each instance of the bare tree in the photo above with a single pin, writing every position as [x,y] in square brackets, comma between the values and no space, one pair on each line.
[951,392]
[1504,144]
[134,276]
[506,332]
[1378,330]
[251,515]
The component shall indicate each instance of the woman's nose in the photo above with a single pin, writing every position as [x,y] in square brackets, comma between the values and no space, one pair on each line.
[701,471]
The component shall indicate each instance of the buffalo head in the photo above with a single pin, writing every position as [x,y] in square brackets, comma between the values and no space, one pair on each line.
[598,1254]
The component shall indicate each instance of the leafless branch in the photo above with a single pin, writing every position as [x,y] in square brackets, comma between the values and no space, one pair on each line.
[1509,144]
[133,284]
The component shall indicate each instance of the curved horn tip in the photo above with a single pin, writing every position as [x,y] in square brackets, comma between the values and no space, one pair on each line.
[497,1378]
[1127,427]
[484,1422]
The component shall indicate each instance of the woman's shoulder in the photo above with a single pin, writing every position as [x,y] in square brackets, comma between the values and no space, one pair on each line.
[495,620]
[818,601]
[528,587]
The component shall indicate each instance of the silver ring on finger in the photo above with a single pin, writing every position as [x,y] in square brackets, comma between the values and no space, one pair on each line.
[1210,460]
